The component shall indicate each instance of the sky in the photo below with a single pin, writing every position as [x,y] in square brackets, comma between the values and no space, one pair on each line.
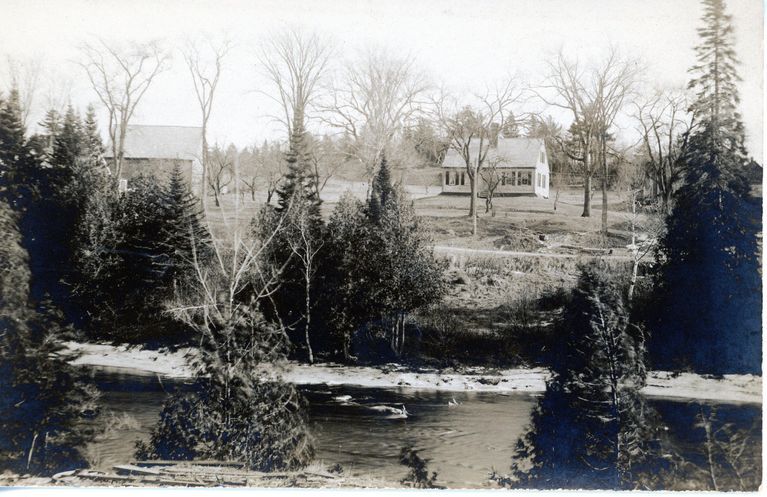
[464,45]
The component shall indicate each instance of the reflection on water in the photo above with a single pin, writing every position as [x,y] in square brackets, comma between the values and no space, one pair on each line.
[464,434]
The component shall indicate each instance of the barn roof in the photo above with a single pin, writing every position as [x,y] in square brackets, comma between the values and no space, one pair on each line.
[163,142]
[511,152]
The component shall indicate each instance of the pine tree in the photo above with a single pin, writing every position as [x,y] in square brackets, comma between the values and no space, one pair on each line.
[592,428]
[709,286]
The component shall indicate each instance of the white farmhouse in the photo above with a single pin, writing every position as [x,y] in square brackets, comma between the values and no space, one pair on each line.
[522,164]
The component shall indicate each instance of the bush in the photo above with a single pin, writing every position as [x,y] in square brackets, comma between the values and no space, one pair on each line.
[265,429]
[418,476]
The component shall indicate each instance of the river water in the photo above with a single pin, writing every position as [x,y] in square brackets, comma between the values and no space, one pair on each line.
[464,435]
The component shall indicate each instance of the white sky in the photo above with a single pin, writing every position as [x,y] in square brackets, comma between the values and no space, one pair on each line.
[464,44]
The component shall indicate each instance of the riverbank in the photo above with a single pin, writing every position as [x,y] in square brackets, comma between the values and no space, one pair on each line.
[174,364]
[196,475]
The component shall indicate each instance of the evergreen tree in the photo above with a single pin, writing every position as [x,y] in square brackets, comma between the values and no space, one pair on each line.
[184,234]
[18,163]
[510,127]
[295,220]
[69,142]
[51,125]
[382,192]
[592,428]
[93,146]
[299,184]
[709,289]
[42,402]
[380,269]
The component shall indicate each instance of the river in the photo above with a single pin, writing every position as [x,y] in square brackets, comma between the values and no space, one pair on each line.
[464,435]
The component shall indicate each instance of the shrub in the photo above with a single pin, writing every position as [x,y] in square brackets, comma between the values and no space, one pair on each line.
[418,476]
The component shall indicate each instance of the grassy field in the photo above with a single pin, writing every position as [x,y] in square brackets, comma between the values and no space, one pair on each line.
[520,223]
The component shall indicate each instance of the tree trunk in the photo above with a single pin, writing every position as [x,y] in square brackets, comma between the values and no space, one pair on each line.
[603,154]
[308,317]
[586,196]
[204,182]
[635,252]
[473,206]
[473,199]
[604,206]
[31,450]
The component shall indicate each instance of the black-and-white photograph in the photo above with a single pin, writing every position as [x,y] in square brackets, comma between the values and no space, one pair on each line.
[339,244]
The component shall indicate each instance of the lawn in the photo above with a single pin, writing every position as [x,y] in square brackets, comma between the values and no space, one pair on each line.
[520,223]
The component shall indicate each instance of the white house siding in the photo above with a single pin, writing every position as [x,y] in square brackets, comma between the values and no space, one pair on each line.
[523,165]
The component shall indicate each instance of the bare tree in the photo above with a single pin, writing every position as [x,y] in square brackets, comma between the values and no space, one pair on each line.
[646,229]
[25,78]
[325,160]
[271,166]
[492,179]
[296,63]
[250,168]
[221,170]
[205,62]
[120,76]
[305,244]
[593,97]
[469,130]
[613,84]
[664,125]
[378,96]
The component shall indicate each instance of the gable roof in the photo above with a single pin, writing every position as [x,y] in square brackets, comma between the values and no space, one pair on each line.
[162,142]
[511,152]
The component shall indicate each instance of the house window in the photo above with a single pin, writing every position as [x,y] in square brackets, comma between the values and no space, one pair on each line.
[525,178]
[449,179]
[123,186]
[503,179]
[543,157]
[463,178]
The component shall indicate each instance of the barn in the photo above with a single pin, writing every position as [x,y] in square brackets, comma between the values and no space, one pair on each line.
[156,150]
[516,166]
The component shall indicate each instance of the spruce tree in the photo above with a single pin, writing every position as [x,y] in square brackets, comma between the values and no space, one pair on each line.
[299,185]
[708,286]
[297,220]
[592,428]
[93,146]
[382,192]
[184,235]
[51,125]
[18,164]
[69,142]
